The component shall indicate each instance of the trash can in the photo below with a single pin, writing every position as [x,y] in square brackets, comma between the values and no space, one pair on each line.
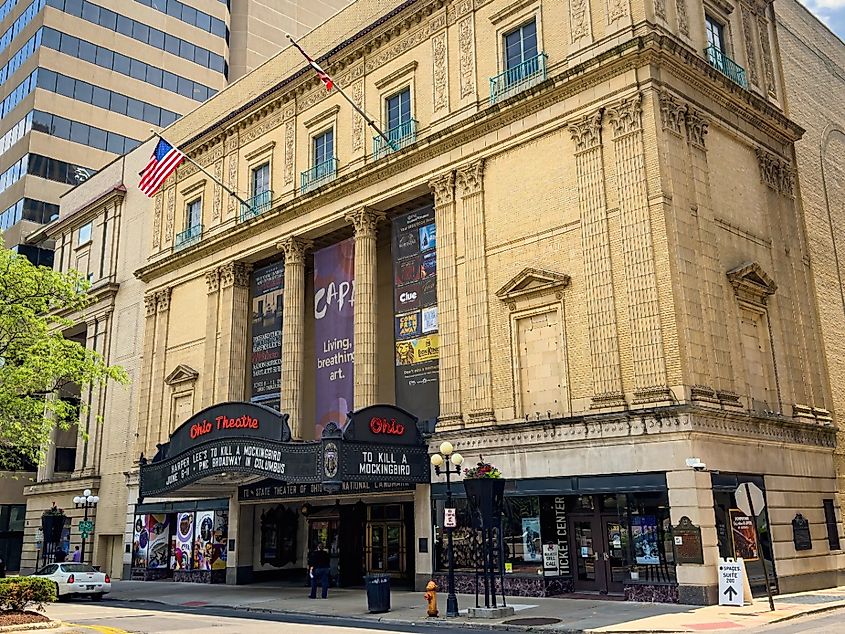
[378,593]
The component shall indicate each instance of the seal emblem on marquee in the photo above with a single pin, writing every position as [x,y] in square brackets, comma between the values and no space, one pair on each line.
[330,460]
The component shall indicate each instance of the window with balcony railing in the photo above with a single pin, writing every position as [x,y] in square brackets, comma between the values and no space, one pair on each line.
[256,205]
[716,52]
[193,225]
[324,162]
[525,65]
[401,127]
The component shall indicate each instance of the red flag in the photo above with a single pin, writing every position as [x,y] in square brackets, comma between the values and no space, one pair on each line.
[323,75]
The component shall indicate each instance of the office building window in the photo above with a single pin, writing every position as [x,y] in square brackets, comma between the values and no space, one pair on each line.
[83,235]
[715,33]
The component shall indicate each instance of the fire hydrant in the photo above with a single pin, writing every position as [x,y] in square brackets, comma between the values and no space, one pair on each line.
[431,597]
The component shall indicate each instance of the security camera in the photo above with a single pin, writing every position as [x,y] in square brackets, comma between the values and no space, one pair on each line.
[695,463]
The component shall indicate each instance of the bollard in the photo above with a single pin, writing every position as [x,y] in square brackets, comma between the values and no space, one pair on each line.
[431,597]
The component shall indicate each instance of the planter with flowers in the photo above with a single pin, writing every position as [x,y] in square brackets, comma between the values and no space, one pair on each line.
[52,524]
[485,489]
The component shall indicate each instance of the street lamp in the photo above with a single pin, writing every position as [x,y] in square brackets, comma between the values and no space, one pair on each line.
[86,501]
[449,455]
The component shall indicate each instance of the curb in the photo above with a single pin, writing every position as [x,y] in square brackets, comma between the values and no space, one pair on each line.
[829,607]
[46,625]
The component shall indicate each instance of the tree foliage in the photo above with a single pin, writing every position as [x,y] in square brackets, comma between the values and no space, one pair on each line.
[37,306]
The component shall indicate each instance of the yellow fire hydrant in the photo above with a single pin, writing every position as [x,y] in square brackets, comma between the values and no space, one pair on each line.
[431,597]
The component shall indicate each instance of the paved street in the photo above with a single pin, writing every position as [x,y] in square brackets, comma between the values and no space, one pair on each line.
[83,617]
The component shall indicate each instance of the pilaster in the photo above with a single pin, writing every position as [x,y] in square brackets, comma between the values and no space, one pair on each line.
[212,321]
[293,330]
[470,179]
[88,455]
[598,278]
[159,366]
[365,222]
[443,187]
[649,364]
[145,381]
[234,320]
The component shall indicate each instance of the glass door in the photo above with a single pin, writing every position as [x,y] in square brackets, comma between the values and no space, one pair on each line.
[386,548]
[615,557]
[589,569]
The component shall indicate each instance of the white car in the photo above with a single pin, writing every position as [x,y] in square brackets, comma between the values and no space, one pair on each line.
[76,579]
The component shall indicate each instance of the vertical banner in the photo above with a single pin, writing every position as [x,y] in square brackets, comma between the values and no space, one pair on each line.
[415,313]
[267,286]
[140,541]
[158,530]
[203,540]
[334,329]
[184,541]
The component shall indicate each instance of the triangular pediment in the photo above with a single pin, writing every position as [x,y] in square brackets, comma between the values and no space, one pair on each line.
[181,374]
[532,281]
[751,278]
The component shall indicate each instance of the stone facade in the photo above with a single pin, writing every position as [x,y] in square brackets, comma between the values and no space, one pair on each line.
[621,269]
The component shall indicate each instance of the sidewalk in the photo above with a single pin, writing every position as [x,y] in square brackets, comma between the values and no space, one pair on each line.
[553,614]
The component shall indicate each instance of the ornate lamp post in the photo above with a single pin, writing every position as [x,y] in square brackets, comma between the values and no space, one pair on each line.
[449,455]
[86,501]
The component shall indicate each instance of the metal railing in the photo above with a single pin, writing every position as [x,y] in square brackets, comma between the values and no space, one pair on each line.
[521,77]
[726,66]
[317,175]
[187,237]
[256,205]
[397,137]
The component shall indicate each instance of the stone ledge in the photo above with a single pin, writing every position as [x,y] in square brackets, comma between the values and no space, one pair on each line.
[27,627]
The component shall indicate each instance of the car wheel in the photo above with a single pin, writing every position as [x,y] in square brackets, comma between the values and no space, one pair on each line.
[59,596]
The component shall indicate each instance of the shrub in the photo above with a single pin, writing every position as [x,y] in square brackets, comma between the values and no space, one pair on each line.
[22,593]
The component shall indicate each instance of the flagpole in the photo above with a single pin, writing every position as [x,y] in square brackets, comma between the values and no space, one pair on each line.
[203,170]
[370,121]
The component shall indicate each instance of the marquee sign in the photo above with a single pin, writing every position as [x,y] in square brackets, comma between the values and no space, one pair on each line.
[380,445]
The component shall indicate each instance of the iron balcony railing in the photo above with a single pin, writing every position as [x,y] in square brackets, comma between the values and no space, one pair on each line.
[187,237]
[397,137]
[726,66]
[317,175]
[521,77]
[256,205]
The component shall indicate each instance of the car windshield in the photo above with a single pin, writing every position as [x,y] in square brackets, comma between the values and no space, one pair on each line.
[78,568]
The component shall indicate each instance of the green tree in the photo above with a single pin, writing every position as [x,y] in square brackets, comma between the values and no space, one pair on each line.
[36,305]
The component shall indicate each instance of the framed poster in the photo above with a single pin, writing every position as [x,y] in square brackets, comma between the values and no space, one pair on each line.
[158,551]
[184,541]
[744,536]
[203,532]
[531,548]
[645,539]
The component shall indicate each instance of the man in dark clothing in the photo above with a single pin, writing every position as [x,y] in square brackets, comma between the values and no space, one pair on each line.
[319,566]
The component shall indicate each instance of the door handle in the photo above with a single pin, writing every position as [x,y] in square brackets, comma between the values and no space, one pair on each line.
[596,556]
[607,556]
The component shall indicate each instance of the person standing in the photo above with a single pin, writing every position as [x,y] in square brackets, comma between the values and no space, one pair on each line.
[319,564]
[77,555]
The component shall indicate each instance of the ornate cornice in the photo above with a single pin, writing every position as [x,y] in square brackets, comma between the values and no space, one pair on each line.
[470,178]
[586,131]
[443,187]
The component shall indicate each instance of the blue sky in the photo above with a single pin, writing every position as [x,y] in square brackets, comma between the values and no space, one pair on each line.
[831,12]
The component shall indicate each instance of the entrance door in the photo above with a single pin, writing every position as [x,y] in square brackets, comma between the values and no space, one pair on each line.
[601,553]
[386,548]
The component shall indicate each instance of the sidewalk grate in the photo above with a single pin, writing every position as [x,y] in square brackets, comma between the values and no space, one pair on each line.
[538,620]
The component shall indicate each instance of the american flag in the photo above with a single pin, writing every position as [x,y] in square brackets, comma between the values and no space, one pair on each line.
[323,75]
[163,163]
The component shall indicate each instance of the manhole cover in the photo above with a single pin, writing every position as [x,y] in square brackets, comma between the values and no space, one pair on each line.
[532,621]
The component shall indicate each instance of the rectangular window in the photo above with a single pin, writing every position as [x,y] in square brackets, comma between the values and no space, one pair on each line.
[83,235]
[193,214]
[324,147]
[399,109]
[715,33]
[832,525]
[261,179]
[521,45]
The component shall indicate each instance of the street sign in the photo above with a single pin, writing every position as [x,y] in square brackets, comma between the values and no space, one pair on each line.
[742,493]
[731,576]
[86,527]
[450,519]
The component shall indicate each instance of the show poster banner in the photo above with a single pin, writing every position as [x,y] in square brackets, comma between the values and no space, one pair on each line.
[268,284]
[415,313]
[334,315]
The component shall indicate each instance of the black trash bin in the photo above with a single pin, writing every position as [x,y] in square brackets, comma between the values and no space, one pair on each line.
[378,593]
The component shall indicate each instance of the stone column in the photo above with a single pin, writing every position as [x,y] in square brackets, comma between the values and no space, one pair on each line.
[46,467]
[212,317]
[145,388]
[443,187]
[598,280]
[365,222]
[234,321]
[644,319]
[162,428]
[98,401]
[471,185]
[293,331]
[234,556]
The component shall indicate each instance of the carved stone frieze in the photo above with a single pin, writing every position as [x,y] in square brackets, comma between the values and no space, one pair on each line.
[231,143]
[261,128]
[459,9]
[683,20]
[212,280]
[290,135]
[217,208]
[766,54]
[171,214]
[358,120]
[586,132]
[660,9]
[748,36]
[207,158]
[405,44]
[466,65]
[776,172]
[470,178]
[443,187]
[159,204]
[440,69]
[616,10]
[233,181]
[579,20]
[235,274]
[626,115]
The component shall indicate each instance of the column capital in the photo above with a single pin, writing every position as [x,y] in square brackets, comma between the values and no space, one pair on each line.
[294,249]
[212,280]
[471,178]
[672,112]
[697,126]
[443,187]
[235,274]
[163,300]
[625,115]
[586,131]
[365,221]
[150,302]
